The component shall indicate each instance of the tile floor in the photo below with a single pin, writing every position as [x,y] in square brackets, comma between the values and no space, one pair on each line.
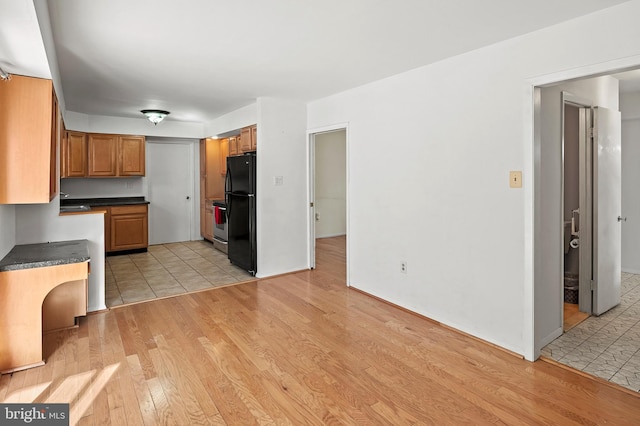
[167,270]
[607,346]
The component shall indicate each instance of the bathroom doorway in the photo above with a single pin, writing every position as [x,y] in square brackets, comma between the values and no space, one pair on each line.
[591,209]
[577,207]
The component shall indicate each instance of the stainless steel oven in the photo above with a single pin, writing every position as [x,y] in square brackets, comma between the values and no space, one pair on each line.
[220,232]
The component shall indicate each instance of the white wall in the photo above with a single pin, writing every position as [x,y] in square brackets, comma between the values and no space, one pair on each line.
[281,210]
[237,119]
[630,108]
[7,229]
[331,184]
[40,223]
[103,187]
[602,91]
[459,126]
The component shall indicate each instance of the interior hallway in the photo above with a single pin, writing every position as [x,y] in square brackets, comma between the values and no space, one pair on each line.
[607,346]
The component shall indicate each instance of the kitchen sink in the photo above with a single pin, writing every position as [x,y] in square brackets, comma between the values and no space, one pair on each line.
[76,208]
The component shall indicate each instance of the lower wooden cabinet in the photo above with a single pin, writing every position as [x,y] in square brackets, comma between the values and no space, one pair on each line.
[126,227]
[208,221]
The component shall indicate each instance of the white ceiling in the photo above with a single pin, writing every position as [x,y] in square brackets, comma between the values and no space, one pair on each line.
[201,59]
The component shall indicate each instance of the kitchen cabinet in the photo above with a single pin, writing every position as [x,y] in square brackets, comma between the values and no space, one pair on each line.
[248,139]
[102,151]
[233,145]
[57,129]
[128,227]
[245,139]
[131,155]
[211,183]
[74,155]
[42,287]
[30,123]
[208,220]
[254,137]
[224,153]
[102,155]
[203,185]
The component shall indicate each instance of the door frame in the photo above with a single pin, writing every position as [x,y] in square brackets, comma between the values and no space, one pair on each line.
[531,146]
[311,223]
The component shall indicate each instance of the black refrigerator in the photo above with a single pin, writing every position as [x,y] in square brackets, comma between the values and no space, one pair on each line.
[240,195]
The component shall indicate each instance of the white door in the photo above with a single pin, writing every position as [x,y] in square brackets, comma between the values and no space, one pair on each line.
[607,195]
[169,175]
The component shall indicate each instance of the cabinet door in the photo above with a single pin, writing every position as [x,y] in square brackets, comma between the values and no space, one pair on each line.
[75,155]
[131,153]
[203,184]
[224,153]
[245,139]
[233,145]
[129,227]
[102,155]
[56,124]
[26,146]
[208,221]
[254,138]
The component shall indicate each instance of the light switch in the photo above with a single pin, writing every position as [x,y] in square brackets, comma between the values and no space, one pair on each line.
[515,179]
[278,180]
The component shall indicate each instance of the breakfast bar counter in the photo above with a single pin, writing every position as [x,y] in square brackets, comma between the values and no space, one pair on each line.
[43,287]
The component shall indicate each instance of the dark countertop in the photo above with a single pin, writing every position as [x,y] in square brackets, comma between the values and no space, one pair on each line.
[97,202]
[40,255]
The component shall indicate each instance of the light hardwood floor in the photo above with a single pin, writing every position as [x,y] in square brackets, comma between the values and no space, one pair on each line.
[300,349]
[572,316]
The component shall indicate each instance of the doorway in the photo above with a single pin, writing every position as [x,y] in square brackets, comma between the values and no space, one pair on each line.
[577,208]
[170,191]
[328,199]
[591,205]
[552,223]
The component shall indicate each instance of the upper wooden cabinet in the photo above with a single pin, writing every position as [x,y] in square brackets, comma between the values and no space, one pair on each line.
[224,153]
[254,137]
[74,155]
[248,139]
[233,145]
[245,139]
[131,154]
[30,124]
[102,155]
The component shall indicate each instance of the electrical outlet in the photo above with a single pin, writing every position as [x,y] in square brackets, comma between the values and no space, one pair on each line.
[403,267]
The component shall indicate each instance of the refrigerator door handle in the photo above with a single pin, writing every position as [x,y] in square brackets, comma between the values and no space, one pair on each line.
[227,181]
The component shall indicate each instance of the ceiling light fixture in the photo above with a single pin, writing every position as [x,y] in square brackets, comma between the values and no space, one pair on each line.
[155,115]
